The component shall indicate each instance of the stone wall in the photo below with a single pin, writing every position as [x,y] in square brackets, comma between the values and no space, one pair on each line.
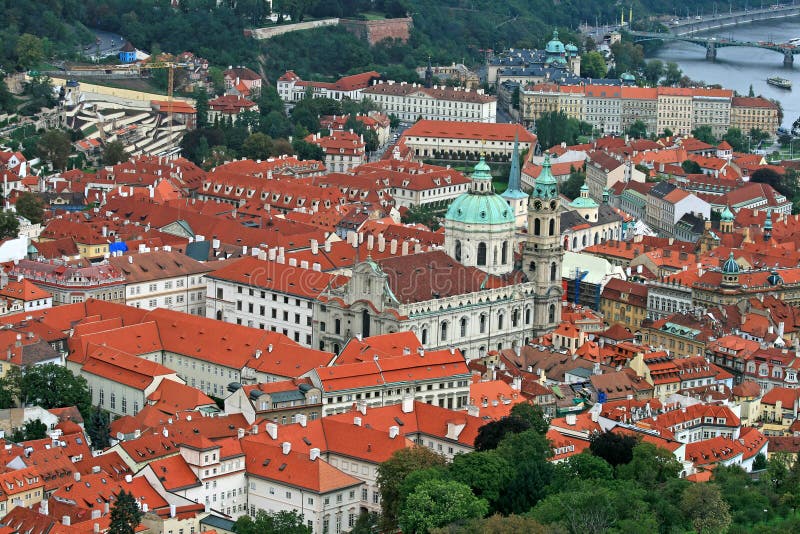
[374,31]
[273,31]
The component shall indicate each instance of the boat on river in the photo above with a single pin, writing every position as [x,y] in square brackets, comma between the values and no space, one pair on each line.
[777,81]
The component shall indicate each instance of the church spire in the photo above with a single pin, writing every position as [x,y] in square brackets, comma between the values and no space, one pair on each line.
[429,74]
[514,175]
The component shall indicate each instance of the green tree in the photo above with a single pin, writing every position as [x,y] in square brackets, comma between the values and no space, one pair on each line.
[421,214]
[30,206]
[257,146]
[705,507]
[628,57]
[29,50]
[691,167]
[533,414]
[201,105]
[283,522]
[217,77]
[125,514]
[491,434]
[760,462]
[486,473]
[528,452]
[54,386]
[10,385]
[593,65]
[582,466]
[554,128]
[736,139]
[308,151]
[572,187]
[757,135]
[437,503]
[366,523]
[615,448]
[98,428]
[637,130]
[653,71]
[393,472]
[672,74]
[705,134]
[7,101]
[55,146]
[33,429]
[751,93]
[650,466]
[114,153]
[496,524]
[9,227]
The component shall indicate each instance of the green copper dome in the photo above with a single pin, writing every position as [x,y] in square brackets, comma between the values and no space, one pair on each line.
[727,215]
[554,46]
[627,77]
[730,266]
[545,186]
[481,205]
[768,221]
[584,200]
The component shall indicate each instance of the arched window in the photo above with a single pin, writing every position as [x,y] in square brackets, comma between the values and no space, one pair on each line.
[337,328]
[443,335]
[596,238]
[494,257]
[219,315]
[584,240]
[551,314]
[552,227]
[532,267]
[424,336]
[553,272]
[482,323]
[574,243]
[515,318]
[504,255]
[500,321]
[463,327]
[537,226]
[527,317]
[481,253]
[457,253]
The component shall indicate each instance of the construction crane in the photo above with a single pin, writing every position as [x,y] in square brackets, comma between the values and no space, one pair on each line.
[170,66]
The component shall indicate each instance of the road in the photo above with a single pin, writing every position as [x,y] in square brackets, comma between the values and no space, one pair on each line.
[378,154]
[108,45]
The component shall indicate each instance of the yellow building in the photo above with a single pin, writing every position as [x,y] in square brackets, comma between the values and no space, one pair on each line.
[624,303]
[23,487]
[675,110]
[748,113]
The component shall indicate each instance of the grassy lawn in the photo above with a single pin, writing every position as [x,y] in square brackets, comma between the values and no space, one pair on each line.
[372,15]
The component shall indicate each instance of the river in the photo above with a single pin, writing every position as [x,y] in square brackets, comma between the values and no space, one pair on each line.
[737,68]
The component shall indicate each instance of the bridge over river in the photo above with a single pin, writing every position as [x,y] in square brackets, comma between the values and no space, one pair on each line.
[712,44]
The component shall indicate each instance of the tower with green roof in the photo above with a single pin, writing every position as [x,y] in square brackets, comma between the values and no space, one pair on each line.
[768,226]
[730,273]
[543,253]
[514,195]
[726,221]
[585,205]
[480,226]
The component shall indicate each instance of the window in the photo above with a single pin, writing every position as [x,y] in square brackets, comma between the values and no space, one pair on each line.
[463,327]
[113,401]
[457,252]
[481,253]
[443,335]
[482,323]
[553,272]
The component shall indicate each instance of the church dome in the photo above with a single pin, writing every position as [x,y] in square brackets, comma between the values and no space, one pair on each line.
[727,215]
[730,266]
[554,46]
[584,200]
[774,278]
[481,205]
[545,186]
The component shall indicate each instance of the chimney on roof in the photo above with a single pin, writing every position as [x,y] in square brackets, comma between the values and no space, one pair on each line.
[381,243]
[408,404]
[394,431]
[239,433]
[313,453]
[405,249]
[393,247]
[165,432]
[172,510]
[571,419]
[43,507]
[314,247]
[357,421]
[302,420]
[473,410]
[516,383]
[327,246]
[95,514]
[286,447]
[272,430]
[77,476]
[361,406]
[66,520]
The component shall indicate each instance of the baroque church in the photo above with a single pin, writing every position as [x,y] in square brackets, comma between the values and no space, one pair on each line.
[494,285]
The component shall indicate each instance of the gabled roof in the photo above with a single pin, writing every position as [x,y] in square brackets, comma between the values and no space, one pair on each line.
[267,462]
